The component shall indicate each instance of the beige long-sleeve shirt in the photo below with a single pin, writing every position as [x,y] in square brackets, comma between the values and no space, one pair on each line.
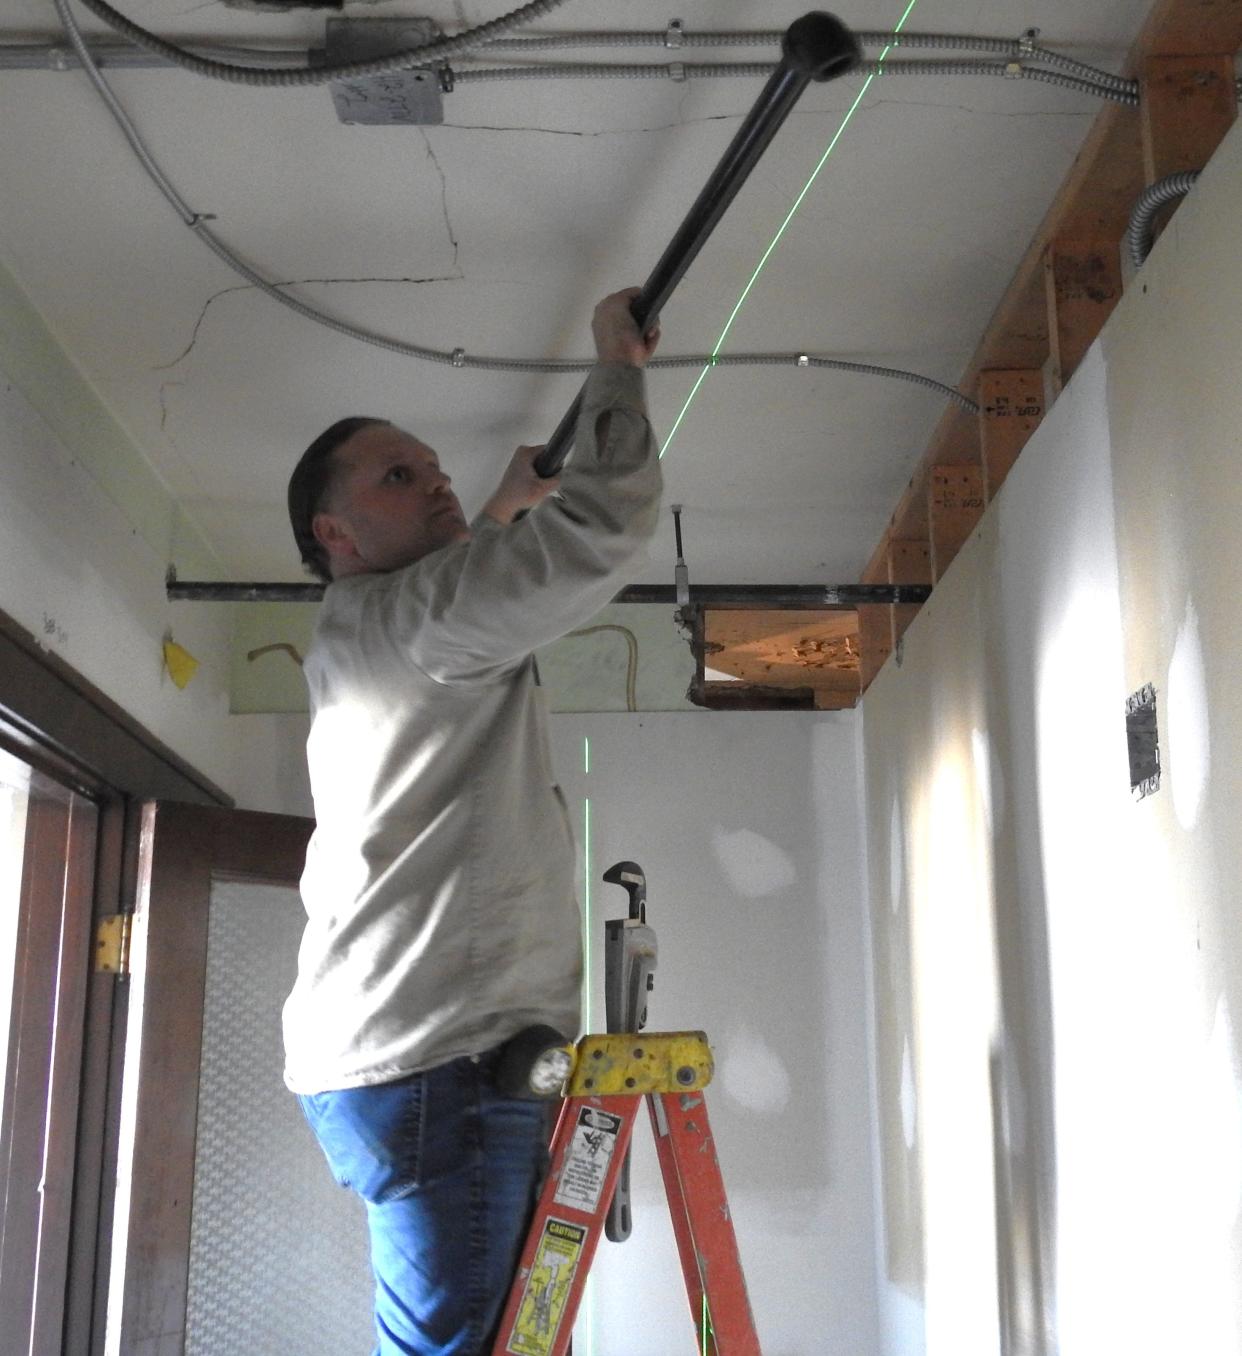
[439,891]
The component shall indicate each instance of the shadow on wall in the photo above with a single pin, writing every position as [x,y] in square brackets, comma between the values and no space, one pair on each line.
[1023,1059]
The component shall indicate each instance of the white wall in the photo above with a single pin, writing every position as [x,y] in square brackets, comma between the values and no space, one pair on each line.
[86,535]
[747,827]
[1057,967]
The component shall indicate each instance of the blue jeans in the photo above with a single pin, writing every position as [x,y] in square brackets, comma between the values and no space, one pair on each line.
[450,1171]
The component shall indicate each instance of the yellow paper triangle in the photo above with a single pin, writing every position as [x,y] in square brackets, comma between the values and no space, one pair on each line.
[181,664]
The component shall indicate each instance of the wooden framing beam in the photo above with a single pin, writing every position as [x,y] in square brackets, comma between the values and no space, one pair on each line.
[1011,406]
[769,648]
[955,505]
[1082,285]
[1069,279]
[875,640]
[1188,104]
[908,561]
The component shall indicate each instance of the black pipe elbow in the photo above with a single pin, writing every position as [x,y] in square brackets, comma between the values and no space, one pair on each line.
[819,46]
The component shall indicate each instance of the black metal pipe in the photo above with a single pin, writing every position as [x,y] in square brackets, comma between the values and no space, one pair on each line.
[808,596]
[817,46]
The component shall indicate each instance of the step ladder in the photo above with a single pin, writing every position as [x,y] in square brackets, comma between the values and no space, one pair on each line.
[586,1192]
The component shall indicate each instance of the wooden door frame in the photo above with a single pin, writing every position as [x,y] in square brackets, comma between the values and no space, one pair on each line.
[182,850]
[42,1070]
[62,725]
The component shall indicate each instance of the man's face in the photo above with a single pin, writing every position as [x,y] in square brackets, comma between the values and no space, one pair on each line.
[390,504]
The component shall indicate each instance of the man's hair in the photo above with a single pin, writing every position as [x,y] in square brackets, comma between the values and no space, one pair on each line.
[309,485]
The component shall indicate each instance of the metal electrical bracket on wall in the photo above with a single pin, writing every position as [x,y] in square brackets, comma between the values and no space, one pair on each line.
[1143,742]
[392,98]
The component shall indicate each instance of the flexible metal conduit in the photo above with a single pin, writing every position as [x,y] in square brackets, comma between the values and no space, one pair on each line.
[437,50]
[123,56]
[114,55]
[157,51]
[1139,232]
[689,70]
[674,38]
[458,357]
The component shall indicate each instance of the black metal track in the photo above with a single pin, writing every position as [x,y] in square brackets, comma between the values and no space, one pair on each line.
[809,596]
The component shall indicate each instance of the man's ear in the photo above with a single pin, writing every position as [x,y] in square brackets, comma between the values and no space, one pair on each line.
[333,534]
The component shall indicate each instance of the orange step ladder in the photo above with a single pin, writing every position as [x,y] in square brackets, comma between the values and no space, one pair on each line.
[612,1075]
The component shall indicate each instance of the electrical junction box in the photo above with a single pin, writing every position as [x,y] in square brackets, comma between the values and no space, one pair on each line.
[392,98]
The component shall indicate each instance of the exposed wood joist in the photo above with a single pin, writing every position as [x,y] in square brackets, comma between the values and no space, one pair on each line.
[1063,290]
[776,659]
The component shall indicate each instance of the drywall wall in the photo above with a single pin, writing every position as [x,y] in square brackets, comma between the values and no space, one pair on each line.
[640,650]
[86,534]
[746,825]
[1056,963]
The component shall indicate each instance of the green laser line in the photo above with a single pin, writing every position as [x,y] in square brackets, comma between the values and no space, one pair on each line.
[586,943]
[845,122]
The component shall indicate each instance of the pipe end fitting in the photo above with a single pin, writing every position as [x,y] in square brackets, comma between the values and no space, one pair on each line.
[819,46]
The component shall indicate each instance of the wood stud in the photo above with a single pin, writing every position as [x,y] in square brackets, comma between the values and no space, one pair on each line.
[909,562]
[875,640]
[955,505]
[1082,284]
[1064,289]
[1011,405]
[1188,104]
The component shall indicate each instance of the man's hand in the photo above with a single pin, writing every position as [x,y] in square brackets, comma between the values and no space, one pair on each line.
[521,487]
[617,339]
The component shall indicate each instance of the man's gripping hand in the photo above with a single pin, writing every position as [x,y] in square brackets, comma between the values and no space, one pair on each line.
[617,337]
[521,487]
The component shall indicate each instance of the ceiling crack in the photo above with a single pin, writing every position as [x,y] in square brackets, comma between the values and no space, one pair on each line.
[968,108]
[448,224]
[296,282]
[163,402]
[605,132]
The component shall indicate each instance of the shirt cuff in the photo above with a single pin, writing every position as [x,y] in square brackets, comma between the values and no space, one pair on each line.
[615,386]
[482,521]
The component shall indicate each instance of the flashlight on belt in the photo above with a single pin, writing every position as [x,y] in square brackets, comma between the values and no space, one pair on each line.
[534,1064]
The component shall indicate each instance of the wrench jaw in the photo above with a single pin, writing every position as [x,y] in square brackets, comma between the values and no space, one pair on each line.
[630,953]
[630,957]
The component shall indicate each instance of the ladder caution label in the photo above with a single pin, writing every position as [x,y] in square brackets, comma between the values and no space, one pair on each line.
[547,1288]
[586,1163]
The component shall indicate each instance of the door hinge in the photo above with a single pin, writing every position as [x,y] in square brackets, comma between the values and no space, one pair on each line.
[112,944]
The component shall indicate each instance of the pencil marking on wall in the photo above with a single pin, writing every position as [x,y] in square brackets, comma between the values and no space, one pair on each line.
[1189,722]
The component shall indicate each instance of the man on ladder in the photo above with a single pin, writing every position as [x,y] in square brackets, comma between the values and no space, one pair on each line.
[439,884]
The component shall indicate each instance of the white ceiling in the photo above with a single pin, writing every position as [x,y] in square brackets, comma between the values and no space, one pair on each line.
[497,231]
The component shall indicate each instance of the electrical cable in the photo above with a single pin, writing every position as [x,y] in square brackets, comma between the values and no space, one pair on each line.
[438,49]
[813,360]
[631,669]
[197,222]
[1139,239]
